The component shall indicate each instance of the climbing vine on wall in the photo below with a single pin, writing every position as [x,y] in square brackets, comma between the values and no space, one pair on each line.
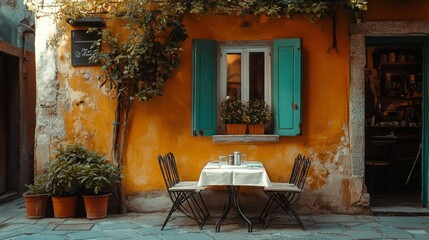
[141,62]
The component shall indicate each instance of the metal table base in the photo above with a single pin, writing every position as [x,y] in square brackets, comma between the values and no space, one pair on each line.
[233,201]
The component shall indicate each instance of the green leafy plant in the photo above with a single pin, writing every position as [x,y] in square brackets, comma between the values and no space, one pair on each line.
[77,153]
[39,186]
[232,111]
[63,178]
[99,177]
[78,170]
[257,111]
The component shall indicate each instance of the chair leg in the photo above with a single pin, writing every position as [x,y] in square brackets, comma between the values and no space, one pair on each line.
[172,209]
[283,201]
[267,207]
[193,206]
[269,217]
[295,214]
[180,198]
[206,213]
[202,211]
[271,207]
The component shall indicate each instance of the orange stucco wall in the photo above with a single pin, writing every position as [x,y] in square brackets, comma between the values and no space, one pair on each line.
[164,124]
[383,10]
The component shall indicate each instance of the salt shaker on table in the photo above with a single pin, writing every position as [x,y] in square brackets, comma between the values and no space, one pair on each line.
[237,160]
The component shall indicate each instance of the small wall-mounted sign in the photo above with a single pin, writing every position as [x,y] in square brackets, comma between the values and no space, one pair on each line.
[87,22]
[81,47]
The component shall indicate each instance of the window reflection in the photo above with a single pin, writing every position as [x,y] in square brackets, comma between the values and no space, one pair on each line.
[256,75]
[233,82]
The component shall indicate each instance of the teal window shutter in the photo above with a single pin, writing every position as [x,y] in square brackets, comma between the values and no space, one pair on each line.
[287,87]
[204,87]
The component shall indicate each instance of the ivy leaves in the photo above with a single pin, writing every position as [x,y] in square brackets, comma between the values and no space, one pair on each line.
[142,45]
[139,65]
[277,8]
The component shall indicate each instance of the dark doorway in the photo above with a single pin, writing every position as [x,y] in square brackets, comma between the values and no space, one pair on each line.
[3,122]
[395,78]
[9,123]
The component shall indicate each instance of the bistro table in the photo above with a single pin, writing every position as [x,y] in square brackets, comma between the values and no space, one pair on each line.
[250,173]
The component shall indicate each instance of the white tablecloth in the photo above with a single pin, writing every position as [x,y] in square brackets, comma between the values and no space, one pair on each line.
[251,173]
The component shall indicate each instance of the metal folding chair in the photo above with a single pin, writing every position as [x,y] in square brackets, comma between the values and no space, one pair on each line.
[182,193]
[268,209]
[284,196]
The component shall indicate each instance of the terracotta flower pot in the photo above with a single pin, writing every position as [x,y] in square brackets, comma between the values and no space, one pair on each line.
[256,129]
[35,205]
[64,207]
[96,206]
[236,128]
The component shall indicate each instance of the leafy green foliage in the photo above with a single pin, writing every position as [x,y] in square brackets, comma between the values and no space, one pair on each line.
[99,178]
[39,186]
[257,111]
[232,111]
[139,56]
[139,66]
[77,154]
[77,170]
[63,178]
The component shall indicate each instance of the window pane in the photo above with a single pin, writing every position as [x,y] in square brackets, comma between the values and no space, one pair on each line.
[256,75]
[233,75]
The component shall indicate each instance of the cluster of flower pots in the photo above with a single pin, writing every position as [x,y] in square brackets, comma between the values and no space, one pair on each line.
[75,171]
[240,118]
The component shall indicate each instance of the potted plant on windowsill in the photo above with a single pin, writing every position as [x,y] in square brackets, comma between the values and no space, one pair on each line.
[36,197]
[232,115]
[98,177]
[257,114]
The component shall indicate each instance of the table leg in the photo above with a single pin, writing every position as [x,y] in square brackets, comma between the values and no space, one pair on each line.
[233,201]
[226,209]
[237,205]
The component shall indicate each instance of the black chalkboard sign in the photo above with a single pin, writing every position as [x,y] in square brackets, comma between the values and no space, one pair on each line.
[81,47]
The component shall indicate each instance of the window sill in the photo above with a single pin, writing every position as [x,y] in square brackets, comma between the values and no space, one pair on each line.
[245,138]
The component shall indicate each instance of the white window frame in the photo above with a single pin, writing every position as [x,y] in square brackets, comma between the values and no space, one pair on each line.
[244,50]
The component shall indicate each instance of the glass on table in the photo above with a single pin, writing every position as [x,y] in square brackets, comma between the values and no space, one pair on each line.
[243,158]
[222,160]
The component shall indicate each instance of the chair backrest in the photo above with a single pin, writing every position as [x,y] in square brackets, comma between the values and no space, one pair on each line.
[169,169]
[302,168]
[295,169]
[303,172]
[380,149]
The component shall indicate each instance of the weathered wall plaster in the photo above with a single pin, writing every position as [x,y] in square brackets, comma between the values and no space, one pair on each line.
[50,127]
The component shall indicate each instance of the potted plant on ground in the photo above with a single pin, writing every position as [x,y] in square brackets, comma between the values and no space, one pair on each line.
[63,178]
[63,184]
[257,114]
[36,197]
[98,177]
[232,115]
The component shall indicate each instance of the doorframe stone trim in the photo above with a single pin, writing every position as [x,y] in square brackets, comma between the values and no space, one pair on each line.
[358,32]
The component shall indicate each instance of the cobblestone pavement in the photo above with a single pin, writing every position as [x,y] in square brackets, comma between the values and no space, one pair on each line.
[15,225]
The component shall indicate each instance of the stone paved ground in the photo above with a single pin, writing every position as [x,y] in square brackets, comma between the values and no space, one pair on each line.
[15,225]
